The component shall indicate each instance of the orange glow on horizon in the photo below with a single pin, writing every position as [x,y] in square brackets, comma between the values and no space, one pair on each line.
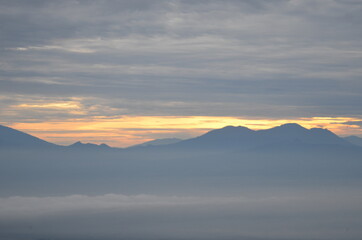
[124,131]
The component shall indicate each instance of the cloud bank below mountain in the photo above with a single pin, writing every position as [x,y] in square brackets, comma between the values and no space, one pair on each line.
[258,215]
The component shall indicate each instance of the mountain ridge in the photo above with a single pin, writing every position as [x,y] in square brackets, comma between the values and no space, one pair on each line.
[89,146]
[157,142]
[245,138]
[237,137]
[11,138]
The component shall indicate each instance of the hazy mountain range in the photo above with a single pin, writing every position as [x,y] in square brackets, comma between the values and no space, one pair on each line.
[226,184]
[224,138]
[286,154]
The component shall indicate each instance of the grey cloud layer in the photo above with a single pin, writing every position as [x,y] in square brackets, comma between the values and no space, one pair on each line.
[277,215]
[283,58]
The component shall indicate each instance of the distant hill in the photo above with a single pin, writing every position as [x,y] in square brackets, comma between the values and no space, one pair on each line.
[11,138]
[225,159]
[354,139]
[88,146]
[245,138]
[230,137]
[159,142]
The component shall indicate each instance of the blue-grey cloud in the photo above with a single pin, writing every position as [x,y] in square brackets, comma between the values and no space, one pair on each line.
[277,215]
[258,58]
[356,123]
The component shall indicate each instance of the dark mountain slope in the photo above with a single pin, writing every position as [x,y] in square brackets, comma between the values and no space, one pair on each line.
[242,138]
[227,137]
[294,133]
[158,142]
[11,138]
[88,146]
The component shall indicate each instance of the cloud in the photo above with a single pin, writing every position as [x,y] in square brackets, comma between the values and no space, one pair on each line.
[114,216]
[355,123]
[267,59]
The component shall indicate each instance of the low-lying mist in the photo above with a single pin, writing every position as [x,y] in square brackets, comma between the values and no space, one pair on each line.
[288,214]
[175,194]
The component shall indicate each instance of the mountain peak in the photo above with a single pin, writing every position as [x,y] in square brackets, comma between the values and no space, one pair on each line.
[288,128]
[245,138]
[231,129]
[229,132]
[79,144]
[10,137]
[291,126]
[159,142]
[104,145]
[229,136]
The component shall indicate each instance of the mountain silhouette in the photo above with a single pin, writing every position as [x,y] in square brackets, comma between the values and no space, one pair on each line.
[89,146]
[294,133]
[245,138]
[241,138]
[227,158]
[226,137]
[11,138]
[158,142]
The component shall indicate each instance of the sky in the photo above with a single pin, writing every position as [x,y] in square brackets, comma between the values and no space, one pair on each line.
[124,72]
